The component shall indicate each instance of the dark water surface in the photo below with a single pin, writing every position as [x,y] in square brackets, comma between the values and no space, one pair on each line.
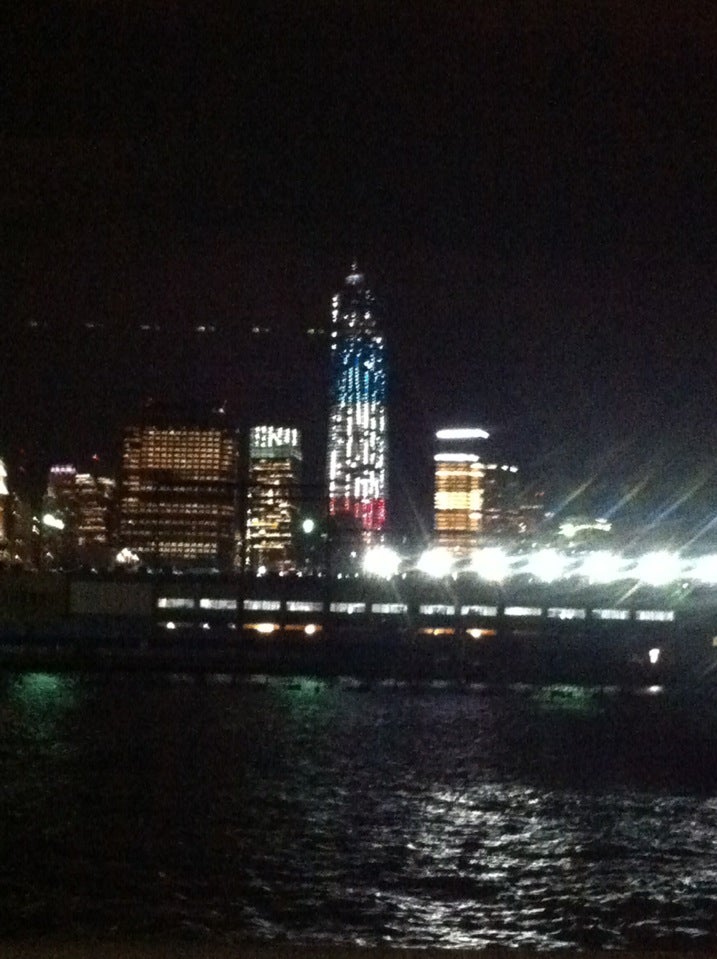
[306,811]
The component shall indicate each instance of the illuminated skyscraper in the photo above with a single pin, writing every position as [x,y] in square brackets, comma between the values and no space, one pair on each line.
[95,501]
[76,518]
[272,497]
[59,519]
[473,497]
[459,488]
[177,498]
[356,455]
[503,512]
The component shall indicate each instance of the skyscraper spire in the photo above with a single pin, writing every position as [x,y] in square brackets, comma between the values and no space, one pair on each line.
[355,277]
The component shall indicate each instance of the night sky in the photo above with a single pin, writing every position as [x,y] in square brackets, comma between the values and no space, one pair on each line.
[530,188]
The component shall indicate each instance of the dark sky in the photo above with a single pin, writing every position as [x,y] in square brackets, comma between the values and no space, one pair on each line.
[531,189]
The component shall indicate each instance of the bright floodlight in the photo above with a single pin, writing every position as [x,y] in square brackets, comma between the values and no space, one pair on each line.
[602,566]
[547,564]
[657,569]
[491,563]
[308,525]
[381,561]
[463,433]
[704,569]
[436,562]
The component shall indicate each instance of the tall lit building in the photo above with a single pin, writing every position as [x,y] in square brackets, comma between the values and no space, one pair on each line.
[76,521]
[357,453]
[503,512]
[59,519]
[95,496]
[272,498]
[23,533]
[475,496]
[177,494]
[458,500]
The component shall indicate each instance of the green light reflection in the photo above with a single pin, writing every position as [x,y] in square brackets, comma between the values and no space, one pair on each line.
[42,700]
[576,699]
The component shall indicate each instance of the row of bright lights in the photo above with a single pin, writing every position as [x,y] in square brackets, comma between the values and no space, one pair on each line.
[310,629]
[493,564]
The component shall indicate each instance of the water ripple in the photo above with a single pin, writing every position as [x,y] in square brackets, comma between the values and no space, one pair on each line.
[297,810]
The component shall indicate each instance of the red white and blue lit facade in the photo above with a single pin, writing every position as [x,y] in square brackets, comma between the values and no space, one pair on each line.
[356,460]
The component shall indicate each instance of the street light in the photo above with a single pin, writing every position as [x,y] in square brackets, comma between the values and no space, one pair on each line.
[491,563]
[381,561]
[436,562]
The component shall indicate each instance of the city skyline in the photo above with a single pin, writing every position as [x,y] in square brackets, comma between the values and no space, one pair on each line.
[532,192]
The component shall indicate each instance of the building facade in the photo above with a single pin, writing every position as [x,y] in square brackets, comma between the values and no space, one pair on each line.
[95,513]
[458,496]
[272,498]
[178,494]
[76,523]
[503,511]
[357,435]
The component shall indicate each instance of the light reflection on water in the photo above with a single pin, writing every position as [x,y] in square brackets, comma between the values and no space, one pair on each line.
[310,811]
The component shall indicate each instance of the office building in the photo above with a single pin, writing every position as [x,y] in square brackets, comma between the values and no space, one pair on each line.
[504,513]
[476,496]
[23,532]
[458,500]
[178,492]
[58,519]
[76,519]
[95,497]
[357,447]
[272,498]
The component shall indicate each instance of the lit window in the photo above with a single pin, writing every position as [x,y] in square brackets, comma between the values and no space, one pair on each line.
[610,613]
[263,605]
[217,604]
[479,610]
[348,608]
[174,602]
[560,612]
[437,609]
[389,608]
[655,615]
[522,611]
[303,606]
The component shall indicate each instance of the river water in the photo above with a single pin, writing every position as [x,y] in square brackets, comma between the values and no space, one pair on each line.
[303,811]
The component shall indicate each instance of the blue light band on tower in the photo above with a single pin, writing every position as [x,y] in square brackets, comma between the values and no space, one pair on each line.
[356,460]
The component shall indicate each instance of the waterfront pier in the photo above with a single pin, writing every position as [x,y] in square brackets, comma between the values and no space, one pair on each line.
[412,627]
